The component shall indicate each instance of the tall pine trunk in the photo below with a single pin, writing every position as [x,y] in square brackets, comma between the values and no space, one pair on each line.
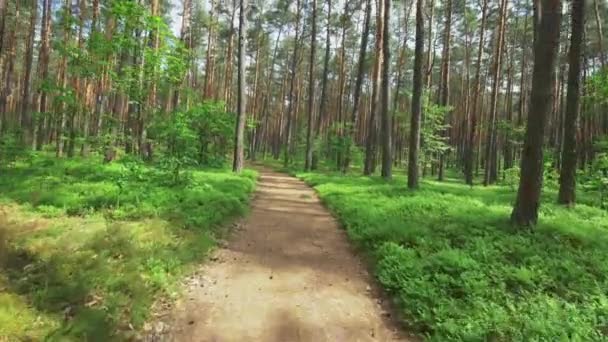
[387,144]
[472,134]
[490,175]
[239,143]
[311,88]
[525,211]
[292,85]
[323,99]
[567,181]
[370,144]
[414,148]
[26,115]
[444,99]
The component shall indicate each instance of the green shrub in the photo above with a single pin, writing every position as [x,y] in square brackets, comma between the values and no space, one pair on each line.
[457,269]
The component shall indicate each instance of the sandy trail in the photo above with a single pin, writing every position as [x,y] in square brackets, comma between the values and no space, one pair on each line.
[289,274]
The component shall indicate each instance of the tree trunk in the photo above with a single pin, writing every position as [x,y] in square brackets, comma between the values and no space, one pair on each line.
[42,71]
[430,60]
[358,83]
[470,154]
[387,144]
[6,86]
[311,88]
[228,74]
[567,181]
[342,84]
[491,141]
[210,56]
[292,84]
[412,174]
[370,145]
[3,10]
[26,117]
[323,99]
[445,77]
[525,211]
[239,143]
[600,35]
[63,80]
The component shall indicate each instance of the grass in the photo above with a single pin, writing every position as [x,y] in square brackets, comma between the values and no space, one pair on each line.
[88,247]
[459,271]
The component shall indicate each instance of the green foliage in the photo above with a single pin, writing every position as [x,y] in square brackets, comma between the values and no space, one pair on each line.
[199,136]
[511,177]
[433,141]
[594,178]
[512,131]
[597,178]
[597,87]
[115,237]
[459,272]
[11,147]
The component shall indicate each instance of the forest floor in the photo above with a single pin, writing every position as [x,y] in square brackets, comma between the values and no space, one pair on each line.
[87,247]
[288,274]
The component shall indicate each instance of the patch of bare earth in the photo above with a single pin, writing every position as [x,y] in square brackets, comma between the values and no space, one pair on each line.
[289,274]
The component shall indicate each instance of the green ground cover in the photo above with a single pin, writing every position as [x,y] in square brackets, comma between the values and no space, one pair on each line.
[87,247]
[457,268]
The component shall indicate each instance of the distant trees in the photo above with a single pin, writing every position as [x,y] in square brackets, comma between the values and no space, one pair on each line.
[82,76]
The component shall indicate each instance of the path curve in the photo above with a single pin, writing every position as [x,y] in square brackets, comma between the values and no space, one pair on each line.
[289,274]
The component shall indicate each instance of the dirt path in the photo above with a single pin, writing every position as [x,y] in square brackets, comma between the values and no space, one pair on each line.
[288,275]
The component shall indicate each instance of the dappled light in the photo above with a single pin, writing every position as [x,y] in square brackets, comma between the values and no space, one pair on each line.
[303,170]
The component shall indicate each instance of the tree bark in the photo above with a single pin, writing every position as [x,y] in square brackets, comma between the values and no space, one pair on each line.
[490,175]
[430,60]
[445,77]
[63,80]
[387,144]
[292,85]
[525,211]
[311,88]
[210,55]
[470,154]
[412,175]
[239,144]
[342,84]
[26,117]
[228,74]
[370,144]
[323,99]
[7,71]
[567,181]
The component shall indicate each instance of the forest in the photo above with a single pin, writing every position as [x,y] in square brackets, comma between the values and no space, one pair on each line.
[461,144]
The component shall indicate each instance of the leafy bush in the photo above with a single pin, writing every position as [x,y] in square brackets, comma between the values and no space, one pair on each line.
[200,136]
[11,147]
[511,177]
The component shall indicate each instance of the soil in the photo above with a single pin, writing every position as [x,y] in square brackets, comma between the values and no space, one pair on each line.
[287,274]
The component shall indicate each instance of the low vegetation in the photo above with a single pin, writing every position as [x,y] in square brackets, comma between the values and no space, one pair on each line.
[90,246]
[459,271]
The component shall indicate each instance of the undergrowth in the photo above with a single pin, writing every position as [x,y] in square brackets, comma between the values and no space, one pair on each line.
[89,246]
[459,271]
